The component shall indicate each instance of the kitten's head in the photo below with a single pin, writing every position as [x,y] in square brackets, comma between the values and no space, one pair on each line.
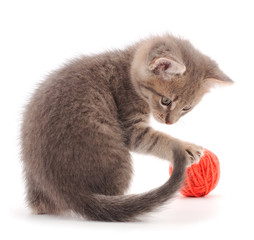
[172,76]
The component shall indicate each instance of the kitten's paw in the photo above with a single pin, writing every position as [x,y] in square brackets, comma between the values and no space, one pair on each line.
[193,152]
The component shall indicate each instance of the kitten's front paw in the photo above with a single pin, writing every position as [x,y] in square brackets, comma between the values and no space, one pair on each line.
[193,152]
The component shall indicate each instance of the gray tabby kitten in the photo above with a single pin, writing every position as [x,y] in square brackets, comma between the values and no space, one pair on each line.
[82,122]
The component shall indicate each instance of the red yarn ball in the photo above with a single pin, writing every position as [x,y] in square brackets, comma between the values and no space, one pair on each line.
[202,177]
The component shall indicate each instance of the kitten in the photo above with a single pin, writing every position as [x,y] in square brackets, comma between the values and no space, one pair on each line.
[82,122]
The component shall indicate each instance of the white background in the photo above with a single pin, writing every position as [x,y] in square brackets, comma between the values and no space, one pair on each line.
[38,36]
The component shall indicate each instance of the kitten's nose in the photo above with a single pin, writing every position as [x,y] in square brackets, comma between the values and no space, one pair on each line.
[167,119]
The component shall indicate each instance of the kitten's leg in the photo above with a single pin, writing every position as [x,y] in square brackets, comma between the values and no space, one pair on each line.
[39,202]
[144,139]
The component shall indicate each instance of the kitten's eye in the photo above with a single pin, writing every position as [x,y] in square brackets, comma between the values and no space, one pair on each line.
[187,108]
[165,101]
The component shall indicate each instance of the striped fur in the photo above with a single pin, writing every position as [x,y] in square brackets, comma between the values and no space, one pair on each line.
[84,119]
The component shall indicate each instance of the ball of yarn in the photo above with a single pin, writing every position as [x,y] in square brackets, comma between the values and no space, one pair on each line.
[202,177]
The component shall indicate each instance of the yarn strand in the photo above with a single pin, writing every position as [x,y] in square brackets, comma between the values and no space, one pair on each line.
[202,177]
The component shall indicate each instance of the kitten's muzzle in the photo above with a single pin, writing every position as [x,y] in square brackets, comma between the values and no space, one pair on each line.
[167,119]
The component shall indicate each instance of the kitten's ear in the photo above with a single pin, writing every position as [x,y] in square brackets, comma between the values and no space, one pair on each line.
[166,67]
[218,78]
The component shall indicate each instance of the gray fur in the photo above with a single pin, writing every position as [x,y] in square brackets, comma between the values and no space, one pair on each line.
[84,119]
